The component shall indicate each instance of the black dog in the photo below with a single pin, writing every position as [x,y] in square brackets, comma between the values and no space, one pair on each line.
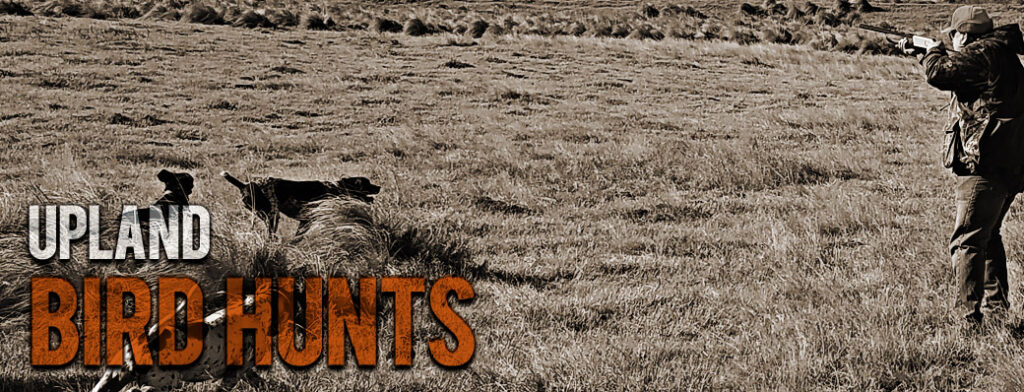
[177,189]
[269,197]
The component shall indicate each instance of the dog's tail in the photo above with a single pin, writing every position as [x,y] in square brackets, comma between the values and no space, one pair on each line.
[234,181]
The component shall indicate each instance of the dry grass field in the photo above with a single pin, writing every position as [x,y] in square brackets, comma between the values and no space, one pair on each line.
[633,214]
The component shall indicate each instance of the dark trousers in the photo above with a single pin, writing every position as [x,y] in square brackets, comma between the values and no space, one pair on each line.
[976,246]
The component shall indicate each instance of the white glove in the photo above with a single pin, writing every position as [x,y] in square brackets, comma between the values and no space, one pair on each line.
[906,46]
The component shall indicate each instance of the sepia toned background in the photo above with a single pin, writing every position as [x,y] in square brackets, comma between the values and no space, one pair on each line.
[702,196]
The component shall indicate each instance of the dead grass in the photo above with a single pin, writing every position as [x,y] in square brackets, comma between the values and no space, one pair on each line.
[662,214]
[771,21]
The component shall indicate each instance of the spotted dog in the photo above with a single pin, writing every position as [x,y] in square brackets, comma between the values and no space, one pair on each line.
[270,197]
[210,365]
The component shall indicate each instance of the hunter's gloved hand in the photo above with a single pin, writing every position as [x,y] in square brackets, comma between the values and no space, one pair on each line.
[907,47]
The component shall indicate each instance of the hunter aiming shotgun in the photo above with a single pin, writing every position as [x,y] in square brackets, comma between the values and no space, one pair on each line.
[917,41]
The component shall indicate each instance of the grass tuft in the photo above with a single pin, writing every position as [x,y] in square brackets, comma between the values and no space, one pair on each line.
[8,7]
[383,25]
[252,19]
[200,13]
[415,27]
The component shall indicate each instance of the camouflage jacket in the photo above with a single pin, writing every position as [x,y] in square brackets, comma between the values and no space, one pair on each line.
[985,132]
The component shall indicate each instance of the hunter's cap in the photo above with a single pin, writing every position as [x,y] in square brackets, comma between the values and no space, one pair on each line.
[970,19]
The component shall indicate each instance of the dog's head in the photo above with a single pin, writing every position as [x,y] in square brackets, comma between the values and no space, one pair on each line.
[176,183]
[358,187]
[252,195]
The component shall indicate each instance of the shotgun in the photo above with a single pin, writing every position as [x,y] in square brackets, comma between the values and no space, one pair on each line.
[917,41]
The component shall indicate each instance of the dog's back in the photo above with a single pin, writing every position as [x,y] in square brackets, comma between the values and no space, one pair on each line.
[293,196]
[268,197]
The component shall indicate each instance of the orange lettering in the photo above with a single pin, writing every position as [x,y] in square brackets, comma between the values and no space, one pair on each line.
[362,328]
[313,341]
[134,326]
[91,355]
[238,321]
[465,341]
[403,287]
[169,287]
[43,321]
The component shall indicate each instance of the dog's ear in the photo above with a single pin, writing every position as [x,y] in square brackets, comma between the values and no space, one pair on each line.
[353,182]
[165,176]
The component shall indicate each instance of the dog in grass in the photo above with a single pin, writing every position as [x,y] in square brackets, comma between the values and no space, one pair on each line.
[177,189]
[270,197]
[211,365]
